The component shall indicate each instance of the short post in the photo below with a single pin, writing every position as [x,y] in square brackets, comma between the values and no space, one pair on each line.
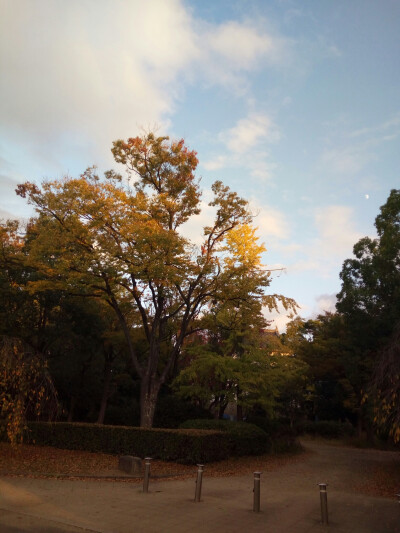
[146,474]
[199,481]
[324,502]
[256,490]
[398,497]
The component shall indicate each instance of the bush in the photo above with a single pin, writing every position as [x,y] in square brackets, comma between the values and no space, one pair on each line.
[243,438]
[183,446]
[283,437]
[171,411]
[330,429]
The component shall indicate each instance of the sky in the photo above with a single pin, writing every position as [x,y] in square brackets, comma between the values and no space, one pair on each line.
[295,105]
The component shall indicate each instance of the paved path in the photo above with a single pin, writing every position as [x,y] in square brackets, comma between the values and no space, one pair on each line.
[289,501]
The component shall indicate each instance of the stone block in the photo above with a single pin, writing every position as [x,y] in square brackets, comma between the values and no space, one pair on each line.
[130,464]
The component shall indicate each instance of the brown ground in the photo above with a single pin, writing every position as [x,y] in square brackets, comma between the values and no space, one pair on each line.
[44,461]
[371,472]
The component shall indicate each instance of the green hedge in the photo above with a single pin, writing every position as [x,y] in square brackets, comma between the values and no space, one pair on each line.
[243,438]
[283,437]
[183,446]
[329,429]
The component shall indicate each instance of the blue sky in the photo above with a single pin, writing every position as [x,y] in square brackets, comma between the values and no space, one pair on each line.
[293,104]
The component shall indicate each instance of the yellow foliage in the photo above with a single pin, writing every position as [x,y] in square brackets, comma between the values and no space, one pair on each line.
[242,243]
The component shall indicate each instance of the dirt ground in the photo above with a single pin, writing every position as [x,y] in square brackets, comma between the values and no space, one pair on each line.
[55,491]
[368,471]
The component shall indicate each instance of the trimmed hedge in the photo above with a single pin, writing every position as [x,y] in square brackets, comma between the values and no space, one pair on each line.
[183,446]
[284,438]
[243,438]
[330,429]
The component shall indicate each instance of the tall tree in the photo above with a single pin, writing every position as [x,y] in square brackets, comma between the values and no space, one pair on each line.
[231,362]
[385,387]
[370,295]
[336,373]
[119,239]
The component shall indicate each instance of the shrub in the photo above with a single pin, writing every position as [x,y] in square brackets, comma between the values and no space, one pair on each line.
[183,446]
[173,411]
[243,438]
[283,437]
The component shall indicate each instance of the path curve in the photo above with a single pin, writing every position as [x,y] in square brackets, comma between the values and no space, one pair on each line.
[289,500]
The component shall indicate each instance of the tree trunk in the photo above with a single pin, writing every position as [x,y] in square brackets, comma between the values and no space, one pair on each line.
[239,409]
[149,389]
[221,409]
[72,404]
[106,391]
[359,423]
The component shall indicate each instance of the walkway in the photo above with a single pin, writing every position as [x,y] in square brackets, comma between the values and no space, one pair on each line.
[289,501]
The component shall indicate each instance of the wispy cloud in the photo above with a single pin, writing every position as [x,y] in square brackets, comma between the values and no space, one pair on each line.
[335,237]
[391,124]
[250,132]
[349,152]
[271,222]
[246,144]
[242,45]
[347,161]
[335,225]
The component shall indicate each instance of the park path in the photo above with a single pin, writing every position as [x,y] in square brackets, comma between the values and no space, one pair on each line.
[289,501]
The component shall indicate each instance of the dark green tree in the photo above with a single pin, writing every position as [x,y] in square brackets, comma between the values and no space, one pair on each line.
[370,297]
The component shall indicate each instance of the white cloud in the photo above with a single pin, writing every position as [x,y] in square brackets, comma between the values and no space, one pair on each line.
[249,132]
[325,303]
[350,152]
[390,124]
[246,145]
[78,75]
[84,74]
[304,265]
[346,161]
[335,225]
[281,318]
[272,224]
[241,45]
[335,237]
[214,164]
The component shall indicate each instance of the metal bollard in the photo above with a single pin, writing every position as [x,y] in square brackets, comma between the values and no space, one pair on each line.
[146,474]
[324,502]
[256,490]
[199,481]
[398,497]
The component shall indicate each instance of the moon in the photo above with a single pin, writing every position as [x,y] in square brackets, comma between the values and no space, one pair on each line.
[367,196]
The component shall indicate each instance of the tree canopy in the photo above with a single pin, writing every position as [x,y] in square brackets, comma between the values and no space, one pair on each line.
[119,239]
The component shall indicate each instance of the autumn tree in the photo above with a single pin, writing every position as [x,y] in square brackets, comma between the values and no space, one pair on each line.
[74,337]
[119,239]
[22,315]
[26,387]
[230,361]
